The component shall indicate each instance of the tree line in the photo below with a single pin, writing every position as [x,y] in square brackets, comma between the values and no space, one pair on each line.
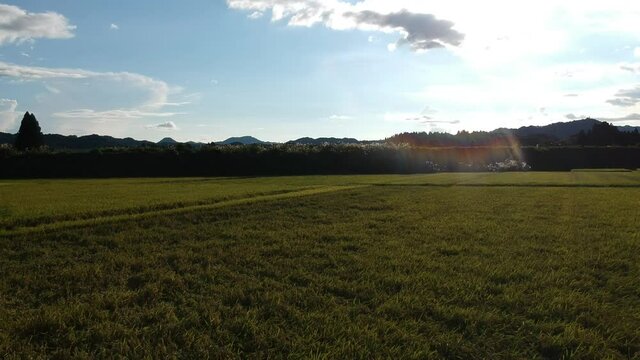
[601,134]
[263,160]
[297,159]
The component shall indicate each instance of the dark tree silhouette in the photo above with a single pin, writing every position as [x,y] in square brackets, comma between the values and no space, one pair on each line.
[605,134]
[30,135]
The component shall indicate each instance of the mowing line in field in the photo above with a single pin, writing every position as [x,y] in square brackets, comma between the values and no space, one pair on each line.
[135,210]
[179,210]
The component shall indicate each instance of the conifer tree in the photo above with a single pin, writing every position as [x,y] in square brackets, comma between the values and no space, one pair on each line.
[30,135]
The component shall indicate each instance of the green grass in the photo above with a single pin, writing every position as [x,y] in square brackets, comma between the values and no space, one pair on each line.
[28,203]
[601,170]
[527,265]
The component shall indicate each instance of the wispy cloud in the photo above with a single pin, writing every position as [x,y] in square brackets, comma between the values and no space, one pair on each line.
[52,89]
[632,68]
[630,117]
[17,25]
[114,27]
[626,97]
[340,117]
[110,115]
[159,90]
[155,99]
[36,73]
[424,119]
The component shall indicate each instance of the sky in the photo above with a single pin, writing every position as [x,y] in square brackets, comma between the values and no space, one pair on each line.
[206,70]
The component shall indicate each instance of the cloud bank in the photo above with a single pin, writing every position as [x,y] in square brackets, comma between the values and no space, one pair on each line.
[155,93]
[18,25]
[419,31]
[630,117]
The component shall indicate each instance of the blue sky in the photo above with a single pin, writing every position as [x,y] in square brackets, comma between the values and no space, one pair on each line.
[206,70]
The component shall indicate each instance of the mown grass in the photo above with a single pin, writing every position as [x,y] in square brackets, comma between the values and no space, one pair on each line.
[409,271]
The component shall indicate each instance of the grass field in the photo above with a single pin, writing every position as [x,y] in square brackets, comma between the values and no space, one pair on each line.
[477,265]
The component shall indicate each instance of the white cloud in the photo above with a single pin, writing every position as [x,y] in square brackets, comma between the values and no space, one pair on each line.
[503,45]
[8,114]
[36,73]
[17,25]
[340,117]
[98,97]
[114,27]
[496,32]
[158,90]
[256,15]
[636,52]
[505,98]
[421,31]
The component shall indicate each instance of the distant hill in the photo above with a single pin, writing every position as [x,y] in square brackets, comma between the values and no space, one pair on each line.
[559,130]
[7,138]
[195,144]
[556,133]
[167,142]
[628,128]
[579,132]
[323,141]
[87,142]
[242,140]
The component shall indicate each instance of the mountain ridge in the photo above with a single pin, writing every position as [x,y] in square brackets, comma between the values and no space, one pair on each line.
[241,140]
[533,134]
[324,141]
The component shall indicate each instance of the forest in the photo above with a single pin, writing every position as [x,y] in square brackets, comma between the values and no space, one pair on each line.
[602,146]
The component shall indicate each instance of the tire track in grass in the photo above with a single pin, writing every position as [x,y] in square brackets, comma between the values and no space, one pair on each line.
[41,228]
[11,224]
